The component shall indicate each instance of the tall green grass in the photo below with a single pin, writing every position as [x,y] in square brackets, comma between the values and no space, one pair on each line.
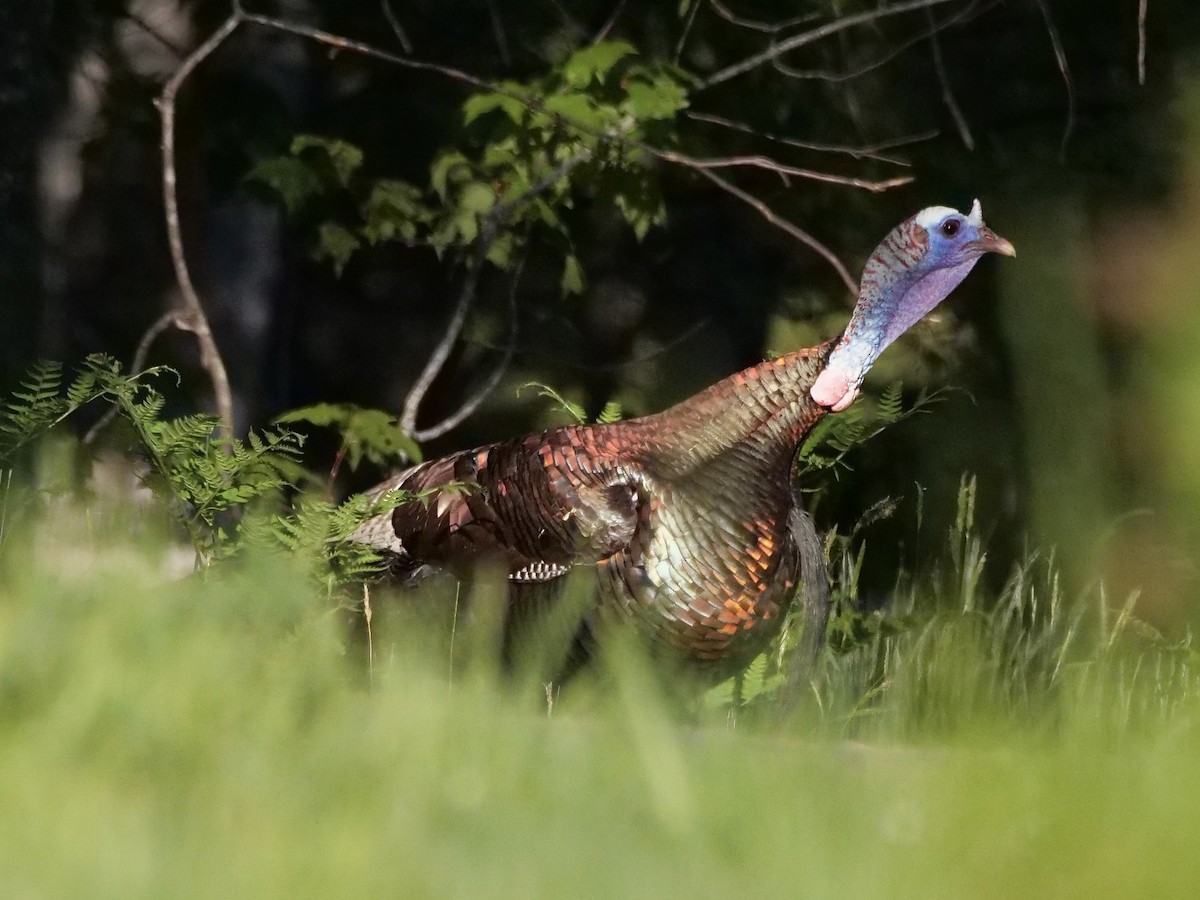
[236,735]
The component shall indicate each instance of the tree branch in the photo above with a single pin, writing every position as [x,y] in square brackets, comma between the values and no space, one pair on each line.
[473,402]
[192,317]
[1141,47]
[487,235]
[870,151]
[810,37]
[939,66]
[779,222]
[498,30]
[397,28]
[1060,57]
[754,25]
[976,7]
[687,30]
[764,162]
[604,32]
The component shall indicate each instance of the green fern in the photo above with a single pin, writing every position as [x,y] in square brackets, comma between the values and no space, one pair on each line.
[827,445]
[370,434]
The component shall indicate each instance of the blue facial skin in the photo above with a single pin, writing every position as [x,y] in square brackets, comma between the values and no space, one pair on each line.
[910,273]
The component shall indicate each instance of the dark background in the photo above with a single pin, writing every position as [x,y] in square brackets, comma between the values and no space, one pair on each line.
[1079,405]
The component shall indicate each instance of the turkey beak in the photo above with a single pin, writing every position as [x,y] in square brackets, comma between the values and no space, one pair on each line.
[990,242]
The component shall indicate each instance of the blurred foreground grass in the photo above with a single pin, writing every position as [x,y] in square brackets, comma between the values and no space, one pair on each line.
[221,737]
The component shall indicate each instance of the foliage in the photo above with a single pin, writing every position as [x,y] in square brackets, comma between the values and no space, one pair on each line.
[827,444]
[208,481]
[611,411]
[367,434]
[531,149]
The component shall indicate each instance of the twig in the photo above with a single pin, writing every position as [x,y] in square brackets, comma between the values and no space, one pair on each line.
[192,317]
[779,222]
[155,33]
[169,319]
[764,162]
[397,28]
[687,30]
[487,235]
[939,66]
[870,151]
[754,25]
[1141,53]
[498,30]
[971,11]
[809,37]
[1061,57]
[603,33]
[475,400]
[363,49]
[569,20]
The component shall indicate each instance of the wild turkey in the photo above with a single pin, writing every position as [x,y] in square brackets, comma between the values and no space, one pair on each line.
[687,516]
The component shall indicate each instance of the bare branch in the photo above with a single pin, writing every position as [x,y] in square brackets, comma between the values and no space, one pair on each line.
[397,28]
[764,162]
[487,235]
[570,21]
[754,25]
[498,30]
[810,37]
[1060,57]
[437,359]
[1141,53]
[192,317]
[976,8]
[939,66]
[779,222]
[473,402]
[870,151]
[687,30]
[342,43]
[603,33]
[156,33]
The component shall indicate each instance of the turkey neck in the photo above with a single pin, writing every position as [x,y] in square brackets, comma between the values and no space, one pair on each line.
[762,413]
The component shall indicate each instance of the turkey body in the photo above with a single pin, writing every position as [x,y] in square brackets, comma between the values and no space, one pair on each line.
[686,520]
[685,517]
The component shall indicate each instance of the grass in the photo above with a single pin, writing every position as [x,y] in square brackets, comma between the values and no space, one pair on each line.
[222,737]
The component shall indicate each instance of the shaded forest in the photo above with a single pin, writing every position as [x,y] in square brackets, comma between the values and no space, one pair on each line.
[1072,395]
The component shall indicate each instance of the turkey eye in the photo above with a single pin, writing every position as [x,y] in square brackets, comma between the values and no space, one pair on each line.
[950,227]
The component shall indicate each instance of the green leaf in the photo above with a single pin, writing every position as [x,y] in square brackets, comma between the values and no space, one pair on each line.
[659,98]
[292,179]
[611,413]
[642,209]
[595,62]
[572,277]
[451,167]
[343,157]
[371,434]
[579,109]
[394,211]
[574,410]
[336,243]
[482,104]
[501,251]
[477,197]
